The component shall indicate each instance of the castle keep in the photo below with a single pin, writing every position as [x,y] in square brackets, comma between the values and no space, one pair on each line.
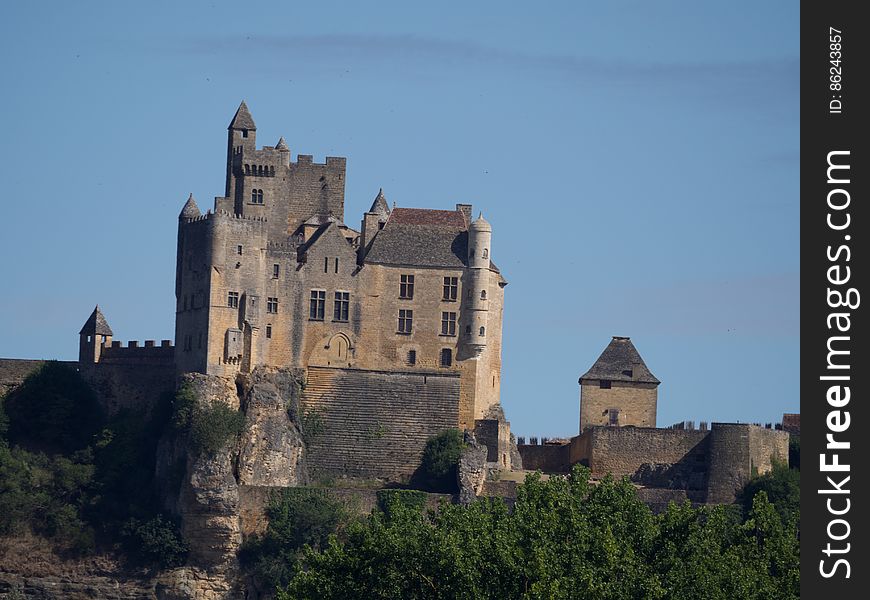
[274,276]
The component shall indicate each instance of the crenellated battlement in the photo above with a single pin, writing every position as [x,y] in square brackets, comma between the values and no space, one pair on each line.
[134,353]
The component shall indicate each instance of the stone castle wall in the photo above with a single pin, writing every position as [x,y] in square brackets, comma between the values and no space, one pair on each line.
[373,424]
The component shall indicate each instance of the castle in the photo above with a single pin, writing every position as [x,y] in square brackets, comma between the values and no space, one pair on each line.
[404,313]
[395,331]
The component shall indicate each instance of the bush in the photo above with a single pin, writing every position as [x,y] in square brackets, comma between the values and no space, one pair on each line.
[388,500]
[440,462]
[297,517]
[782,487]
[156,541]
[53,411]
[214,426]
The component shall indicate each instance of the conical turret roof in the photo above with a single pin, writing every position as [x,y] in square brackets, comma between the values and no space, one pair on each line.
[243,118]
[96,324]
[481,224]
[620,361]
[380,205]
[190,210]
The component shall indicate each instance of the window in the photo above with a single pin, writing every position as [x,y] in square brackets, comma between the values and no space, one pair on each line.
[468,329]
[247,169]
[406,318]
[446,357]
[239,250]
[276,271]
[628,372]
[451,288]
[268,332]
[483,294]
[406,287]
[412,357]
[272,305]
[448,323]
[244,133]
[317,305]
[326,264]
[233,299]
[336,264]
[342,302]
[256,196]
[482,331]
[485,253]
[613,417]
[604,384]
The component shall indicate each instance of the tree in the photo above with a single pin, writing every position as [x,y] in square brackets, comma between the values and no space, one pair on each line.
[438,468]
[565,538]
[782,488]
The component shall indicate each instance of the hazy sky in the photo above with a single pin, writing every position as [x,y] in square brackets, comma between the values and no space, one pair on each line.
[638,162]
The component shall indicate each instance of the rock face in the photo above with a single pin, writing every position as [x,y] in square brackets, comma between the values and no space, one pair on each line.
[472,470]
[272,446]
[203,490]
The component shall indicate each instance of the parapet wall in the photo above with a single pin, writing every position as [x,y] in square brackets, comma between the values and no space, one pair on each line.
[708,465]
[148,353]
[374,424]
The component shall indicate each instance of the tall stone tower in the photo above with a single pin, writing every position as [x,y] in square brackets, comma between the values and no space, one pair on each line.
[619,389]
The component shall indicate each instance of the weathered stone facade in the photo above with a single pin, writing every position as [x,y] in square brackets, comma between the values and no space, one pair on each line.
[273,277]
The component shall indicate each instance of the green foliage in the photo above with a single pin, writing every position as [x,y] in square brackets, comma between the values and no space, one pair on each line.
[46,495]
[564,539]
[155,541]
[297,517]
[312,425]
[214,426]
[781,486]
[794,452]
[411,499]
[53,411]
[211,425]
[82,496]
[438,467]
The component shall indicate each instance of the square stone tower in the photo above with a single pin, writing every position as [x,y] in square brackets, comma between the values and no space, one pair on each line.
[619,389]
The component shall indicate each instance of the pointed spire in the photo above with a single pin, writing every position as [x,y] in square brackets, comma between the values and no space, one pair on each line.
[190,210]
[96,324]
[481,224]
[282,145]
[380,205]
[243,119]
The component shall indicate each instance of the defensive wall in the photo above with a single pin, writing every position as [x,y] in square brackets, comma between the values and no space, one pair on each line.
[374,424]
[710,465]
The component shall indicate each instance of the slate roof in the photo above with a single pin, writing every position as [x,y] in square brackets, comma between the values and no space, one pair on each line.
[419,245]
[190,210]
[96,324]
[425,216]
[380,205]
[620,361]
[243,118]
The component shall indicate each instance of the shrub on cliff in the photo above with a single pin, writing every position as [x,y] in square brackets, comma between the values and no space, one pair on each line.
[155,541]
[438,468]
[212,425]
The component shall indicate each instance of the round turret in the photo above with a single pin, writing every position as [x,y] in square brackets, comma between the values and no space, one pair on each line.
[479,243]
[190,210]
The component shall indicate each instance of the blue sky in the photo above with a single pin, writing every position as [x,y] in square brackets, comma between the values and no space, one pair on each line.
[638,162]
